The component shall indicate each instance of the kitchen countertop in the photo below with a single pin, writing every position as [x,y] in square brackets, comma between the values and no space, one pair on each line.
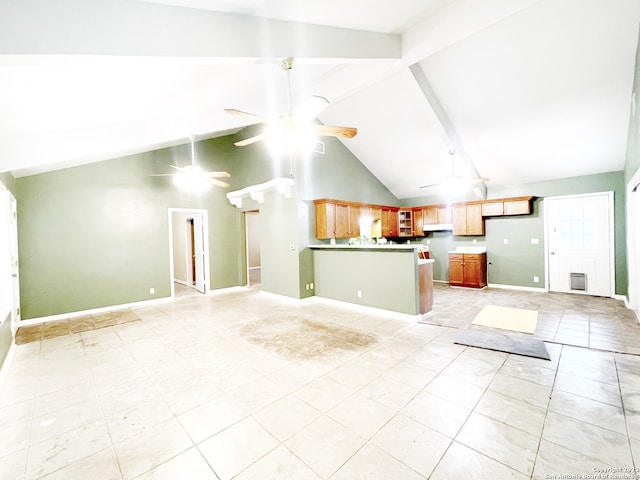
[394,246]
[469,250]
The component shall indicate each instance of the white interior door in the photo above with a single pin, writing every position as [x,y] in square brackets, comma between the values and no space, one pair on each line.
[580,243]
[13,253]
[198,252]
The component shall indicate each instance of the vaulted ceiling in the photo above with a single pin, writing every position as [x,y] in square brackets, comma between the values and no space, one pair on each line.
[522,90]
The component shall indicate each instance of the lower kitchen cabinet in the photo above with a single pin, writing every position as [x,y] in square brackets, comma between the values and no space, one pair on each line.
[468,269]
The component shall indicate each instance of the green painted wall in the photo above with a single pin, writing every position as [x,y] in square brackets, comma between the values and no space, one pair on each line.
[519,261]
[97,235]
[386,279]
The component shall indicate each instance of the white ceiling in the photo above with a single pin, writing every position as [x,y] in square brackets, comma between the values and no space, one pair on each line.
[523,90]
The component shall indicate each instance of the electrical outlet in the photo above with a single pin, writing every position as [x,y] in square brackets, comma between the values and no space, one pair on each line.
[311,285]
[359,293]
[536,279]
[152,291]
[506,241]
[475,241]
[428,242]
[306,287]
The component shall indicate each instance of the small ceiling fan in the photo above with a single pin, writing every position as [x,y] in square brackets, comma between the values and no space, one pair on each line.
[192,175]
[294,123]
[456,181]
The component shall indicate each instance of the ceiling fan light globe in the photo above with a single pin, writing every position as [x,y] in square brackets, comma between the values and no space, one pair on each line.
[192,182]
[290,137]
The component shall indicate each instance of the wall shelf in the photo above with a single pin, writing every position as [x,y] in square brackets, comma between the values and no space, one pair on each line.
[283,186]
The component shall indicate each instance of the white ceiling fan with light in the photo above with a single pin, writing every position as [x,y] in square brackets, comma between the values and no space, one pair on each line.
[293,127]
[194,177]
[456,183]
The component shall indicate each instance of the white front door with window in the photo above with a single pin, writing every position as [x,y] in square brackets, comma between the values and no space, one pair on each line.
[580,243]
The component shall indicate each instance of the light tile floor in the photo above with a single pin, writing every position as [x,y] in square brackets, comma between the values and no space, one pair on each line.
[191,392]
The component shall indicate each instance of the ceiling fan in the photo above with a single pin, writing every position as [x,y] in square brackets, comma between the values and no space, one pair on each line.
[456,181]
[194,176]
[296,123]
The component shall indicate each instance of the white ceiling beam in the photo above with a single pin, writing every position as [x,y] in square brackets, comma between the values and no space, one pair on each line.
[443,120]
[126,28]
[458,20]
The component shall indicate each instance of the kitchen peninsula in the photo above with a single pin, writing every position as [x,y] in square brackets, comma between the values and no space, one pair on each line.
[390,277]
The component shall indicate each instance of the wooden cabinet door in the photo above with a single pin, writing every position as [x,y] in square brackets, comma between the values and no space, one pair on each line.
[405,223]
[520,207]
[325,220]
[475,222]
[467,220]
[475,270]
[444,215]
[342,221]
[430,215]
[389,223]
[460,220]
[471,271]
[456,269]
[418,221]
[492,209]
[354,221]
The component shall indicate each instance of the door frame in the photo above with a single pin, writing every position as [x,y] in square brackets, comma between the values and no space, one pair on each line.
[205,231]
[248,239]
[633,241]
[612,242]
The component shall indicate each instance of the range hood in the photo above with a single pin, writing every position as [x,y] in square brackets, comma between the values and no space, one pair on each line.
[437,227]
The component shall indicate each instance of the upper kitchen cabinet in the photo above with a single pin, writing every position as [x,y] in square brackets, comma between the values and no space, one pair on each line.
[336,219]
[467,219]
[347,221]
[389,222]
[405,223]
[507,206]
[424,218]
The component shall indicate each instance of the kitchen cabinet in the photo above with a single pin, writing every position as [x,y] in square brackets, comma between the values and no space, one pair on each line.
[431,215]
[492,209]
[467,219]
[468,269]
[518,206]
[347,221]
[337,220]
[389,222]
[405,223]
[507,206]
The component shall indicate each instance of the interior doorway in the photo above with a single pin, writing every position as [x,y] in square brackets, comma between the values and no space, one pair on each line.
[633,242]
[254,266]
[580,248]
[189,251]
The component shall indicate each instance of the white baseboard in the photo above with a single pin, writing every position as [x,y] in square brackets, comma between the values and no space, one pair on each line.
[518,287]
[366,309]
[93,311]
[181,282]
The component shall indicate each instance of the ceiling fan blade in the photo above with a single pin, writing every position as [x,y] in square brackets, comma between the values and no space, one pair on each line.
[218,183]
[249,141]
[177,168]
[430,185]
[334,131]
[311,108]
[161,174]
[240,113]
[217,174]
